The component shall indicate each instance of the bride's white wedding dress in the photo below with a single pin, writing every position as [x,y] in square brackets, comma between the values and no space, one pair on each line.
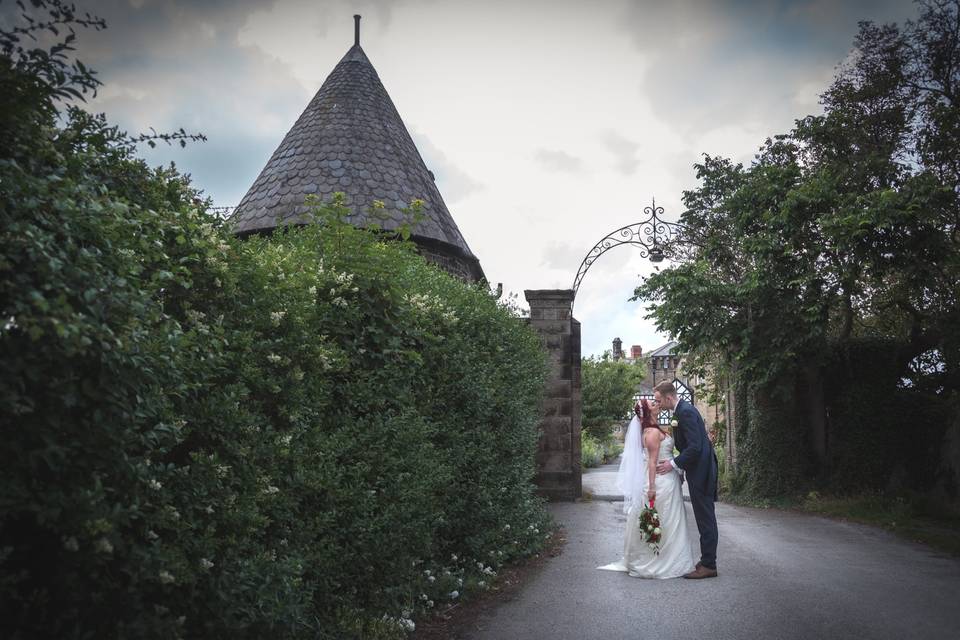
[675,557]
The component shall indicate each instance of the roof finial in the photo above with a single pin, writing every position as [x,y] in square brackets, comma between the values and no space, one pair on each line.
[356,30]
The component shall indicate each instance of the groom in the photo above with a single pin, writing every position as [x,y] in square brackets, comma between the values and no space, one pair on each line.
[699,461]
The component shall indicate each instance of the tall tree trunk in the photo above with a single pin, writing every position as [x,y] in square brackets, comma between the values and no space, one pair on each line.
[732,411]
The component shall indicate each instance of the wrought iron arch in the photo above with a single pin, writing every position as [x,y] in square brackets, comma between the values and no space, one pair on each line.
[653,235]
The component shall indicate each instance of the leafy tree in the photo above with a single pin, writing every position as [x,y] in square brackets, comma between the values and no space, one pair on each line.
[607,388]
[842,230]
[208,437]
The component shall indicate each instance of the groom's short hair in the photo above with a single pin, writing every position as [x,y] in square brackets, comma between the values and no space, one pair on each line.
[666,389]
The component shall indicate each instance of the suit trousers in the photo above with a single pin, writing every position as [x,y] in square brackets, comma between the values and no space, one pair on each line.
[705,513]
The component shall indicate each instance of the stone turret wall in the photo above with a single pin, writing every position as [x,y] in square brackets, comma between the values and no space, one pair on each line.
[455,263]
[558,455]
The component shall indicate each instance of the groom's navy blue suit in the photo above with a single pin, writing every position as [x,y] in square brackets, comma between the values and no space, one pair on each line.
[699,462]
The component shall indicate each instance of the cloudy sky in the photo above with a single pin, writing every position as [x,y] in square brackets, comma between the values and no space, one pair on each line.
[548,123]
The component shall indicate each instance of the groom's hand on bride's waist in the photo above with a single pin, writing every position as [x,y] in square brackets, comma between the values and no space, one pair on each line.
[664,466]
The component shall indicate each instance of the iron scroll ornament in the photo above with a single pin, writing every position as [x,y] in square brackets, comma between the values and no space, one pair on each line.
[653,235]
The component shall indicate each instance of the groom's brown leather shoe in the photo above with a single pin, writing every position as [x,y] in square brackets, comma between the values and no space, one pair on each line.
[701,572]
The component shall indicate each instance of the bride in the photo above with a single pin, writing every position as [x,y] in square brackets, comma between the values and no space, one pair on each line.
[644,445]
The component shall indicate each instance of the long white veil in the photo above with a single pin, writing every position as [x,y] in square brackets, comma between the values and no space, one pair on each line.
[632,476]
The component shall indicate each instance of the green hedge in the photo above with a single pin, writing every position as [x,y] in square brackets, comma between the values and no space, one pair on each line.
[881,435]
[594,452]
[313,435]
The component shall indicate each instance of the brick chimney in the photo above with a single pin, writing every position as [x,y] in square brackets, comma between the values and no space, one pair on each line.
[636,352]
[617,349]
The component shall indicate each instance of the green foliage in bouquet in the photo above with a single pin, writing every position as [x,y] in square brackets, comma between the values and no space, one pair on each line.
[649,519]
[311,435]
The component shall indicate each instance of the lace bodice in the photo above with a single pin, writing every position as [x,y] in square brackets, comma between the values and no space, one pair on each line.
[666,449]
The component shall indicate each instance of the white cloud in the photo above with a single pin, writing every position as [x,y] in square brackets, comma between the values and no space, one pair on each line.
[548,124]
[556,160]
[625,151]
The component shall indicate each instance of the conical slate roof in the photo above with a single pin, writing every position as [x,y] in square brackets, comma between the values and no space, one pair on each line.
[350,138]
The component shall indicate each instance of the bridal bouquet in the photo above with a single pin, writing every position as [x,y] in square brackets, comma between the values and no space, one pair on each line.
[650,527]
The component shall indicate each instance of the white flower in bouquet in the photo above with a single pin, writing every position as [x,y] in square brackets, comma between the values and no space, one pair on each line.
[657,531]
[674,423]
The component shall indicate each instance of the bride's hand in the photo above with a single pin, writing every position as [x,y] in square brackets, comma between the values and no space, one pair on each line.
[651,496]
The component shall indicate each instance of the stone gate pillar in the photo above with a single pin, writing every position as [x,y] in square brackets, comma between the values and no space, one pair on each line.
[558,454]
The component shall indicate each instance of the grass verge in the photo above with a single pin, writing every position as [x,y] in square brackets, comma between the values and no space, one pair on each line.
[913,517]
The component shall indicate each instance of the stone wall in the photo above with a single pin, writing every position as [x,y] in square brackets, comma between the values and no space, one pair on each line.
[558,455]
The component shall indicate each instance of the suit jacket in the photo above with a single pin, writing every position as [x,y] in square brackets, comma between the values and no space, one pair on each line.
[697,457]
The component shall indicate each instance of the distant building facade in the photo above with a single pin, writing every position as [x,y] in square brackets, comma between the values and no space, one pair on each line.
[665,363]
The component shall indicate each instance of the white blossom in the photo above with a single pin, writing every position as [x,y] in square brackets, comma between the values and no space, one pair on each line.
[152,535]
[454,594]
[103,545]
[71,544]
[276,317]
[166,577]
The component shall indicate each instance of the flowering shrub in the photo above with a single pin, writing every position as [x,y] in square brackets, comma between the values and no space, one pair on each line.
[594,452]
[312,435]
